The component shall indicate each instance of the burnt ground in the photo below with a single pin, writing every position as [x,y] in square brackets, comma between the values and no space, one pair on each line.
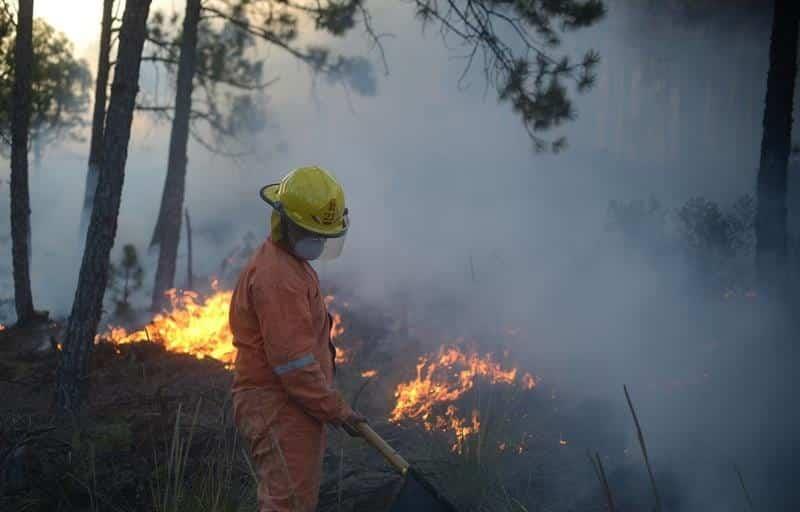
[157,435]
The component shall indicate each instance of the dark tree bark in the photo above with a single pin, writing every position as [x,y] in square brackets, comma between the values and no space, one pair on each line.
[168,226]
[72,379]
[20,194]
[99,115]
[771,216]
[189,269]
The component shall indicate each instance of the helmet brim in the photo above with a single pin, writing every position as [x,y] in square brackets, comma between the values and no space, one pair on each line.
[269,194]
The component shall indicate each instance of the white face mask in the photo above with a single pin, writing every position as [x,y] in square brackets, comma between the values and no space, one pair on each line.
[309,248]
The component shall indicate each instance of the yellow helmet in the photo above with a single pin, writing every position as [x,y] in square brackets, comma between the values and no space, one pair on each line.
[313,200]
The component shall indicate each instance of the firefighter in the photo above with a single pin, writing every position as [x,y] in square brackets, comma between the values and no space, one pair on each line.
[283,389]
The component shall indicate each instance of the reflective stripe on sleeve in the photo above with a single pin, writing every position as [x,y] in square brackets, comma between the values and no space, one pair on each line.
[295,364]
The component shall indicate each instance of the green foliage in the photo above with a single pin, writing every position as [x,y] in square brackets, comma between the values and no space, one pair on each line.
[711,239]
[356,73]
[338,17]
[229,69]
[517,39]
[222,51]
[7,20]
[125,278]
[706,228]
[226,75]
[60,88]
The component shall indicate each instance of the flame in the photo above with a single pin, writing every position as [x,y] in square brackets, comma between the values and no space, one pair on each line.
[2,327]
[337,329]
[446,379]
[342,356]
[368,374]
[199,326]
[459,426]
[192,326]
[528,381]
[443,379]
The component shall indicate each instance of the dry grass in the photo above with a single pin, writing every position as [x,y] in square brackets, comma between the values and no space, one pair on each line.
[168,484]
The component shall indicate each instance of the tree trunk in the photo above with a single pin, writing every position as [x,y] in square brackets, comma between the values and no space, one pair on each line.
[20,194]
[168,226]
[189,269]
[771,216]
[99,115]
[125,287]
[72,379]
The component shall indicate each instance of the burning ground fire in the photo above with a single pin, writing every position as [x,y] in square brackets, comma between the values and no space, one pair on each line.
[337,329]
[199,326]
[443,379]
[192,326]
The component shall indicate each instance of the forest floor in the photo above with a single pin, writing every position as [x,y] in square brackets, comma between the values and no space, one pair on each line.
[157,434]
[145,403]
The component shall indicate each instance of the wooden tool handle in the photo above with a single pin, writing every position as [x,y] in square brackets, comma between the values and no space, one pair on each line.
[372,437]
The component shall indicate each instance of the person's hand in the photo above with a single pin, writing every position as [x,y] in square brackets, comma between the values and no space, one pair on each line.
[350,423]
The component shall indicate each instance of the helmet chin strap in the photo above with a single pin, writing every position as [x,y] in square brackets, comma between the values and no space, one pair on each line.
[285,240]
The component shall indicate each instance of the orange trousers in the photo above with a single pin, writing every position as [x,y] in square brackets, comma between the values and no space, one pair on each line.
[286,447]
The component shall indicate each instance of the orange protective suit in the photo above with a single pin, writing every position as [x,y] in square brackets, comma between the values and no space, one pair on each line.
[283,381]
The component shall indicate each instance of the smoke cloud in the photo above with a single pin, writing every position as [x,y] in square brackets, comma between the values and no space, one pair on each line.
[453,212]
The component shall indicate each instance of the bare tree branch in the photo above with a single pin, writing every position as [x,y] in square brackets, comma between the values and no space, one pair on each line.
[517,40]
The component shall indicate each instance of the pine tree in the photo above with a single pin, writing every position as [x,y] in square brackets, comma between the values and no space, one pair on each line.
[125,278]
[42,96]
[169,217]
[207,58]
[517,41]
[20,194]
[59,84]
[99,114]
[771,216]
[72,378]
